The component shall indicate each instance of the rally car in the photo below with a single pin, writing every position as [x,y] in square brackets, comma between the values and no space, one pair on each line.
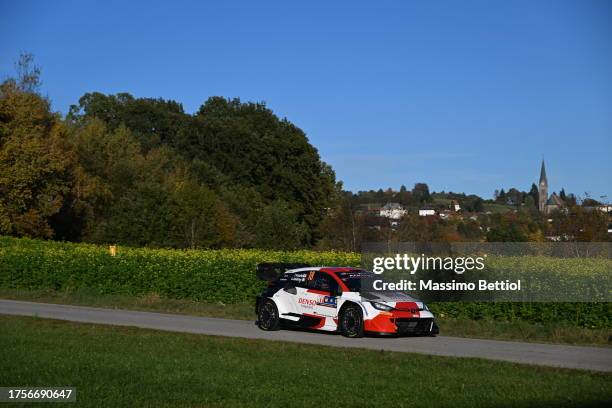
[333,299]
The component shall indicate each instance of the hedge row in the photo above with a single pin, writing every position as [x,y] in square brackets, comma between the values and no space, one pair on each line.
[588,315]
[226,275]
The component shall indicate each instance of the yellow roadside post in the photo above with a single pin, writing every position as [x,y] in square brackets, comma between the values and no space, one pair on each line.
[112,249]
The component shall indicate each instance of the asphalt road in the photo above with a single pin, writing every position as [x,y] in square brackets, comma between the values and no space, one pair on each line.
[588,358]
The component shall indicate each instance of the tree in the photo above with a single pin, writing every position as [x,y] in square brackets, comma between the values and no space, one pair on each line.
[473,203]
[420,193]
[34,157]
[501,197]
[514,197]
[226,142]
[414,229]
[530,203]
[250,145]
[590,202]
[509,227]
[570,200]
[154,122]
[534,193]
[197,218]
[470,230]
[140,217]
[342,227]
[108,166]
[279,228]
[247,204]
[580,224]
[28,74]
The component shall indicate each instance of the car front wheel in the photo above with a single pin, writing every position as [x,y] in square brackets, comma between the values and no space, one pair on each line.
[351,322]
[267,318]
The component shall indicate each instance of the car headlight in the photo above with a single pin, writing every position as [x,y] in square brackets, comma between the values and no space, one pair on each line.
[381,306]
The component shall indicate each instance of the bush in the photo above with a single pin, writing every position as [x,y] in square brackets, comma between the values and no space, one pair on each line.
[588,315]
[226,275]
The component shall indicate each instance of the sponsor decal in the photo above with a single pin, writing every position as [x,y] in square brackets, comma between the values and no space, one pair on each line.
[298,277]
[327,301]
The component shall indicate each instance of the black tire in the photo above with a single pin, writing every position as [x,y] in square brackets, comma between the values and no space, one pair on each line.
[267,318]
[435,330]
[351,321]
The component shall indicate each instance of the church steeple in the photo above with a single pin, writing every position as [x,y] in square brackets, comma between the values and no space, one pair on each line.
[542,189]
[543,179]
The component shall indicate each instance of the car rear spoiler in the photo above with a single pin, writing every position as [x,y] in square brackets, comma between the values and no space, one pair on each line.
[273,271]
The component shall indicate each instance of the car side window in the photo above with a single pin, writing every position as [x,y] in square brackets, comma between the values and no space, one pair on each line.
[324,282]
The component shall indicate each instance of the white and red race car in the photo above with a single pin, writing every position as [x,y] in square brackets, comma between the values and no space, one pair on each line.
[332,299]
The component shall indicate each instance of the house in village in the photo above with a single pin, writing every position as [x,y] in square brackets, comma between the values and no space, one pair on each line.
[392,211]
[424,212]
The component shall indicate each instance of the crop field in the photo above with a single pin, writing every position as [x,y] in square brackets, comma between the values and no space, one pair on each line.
[227,276]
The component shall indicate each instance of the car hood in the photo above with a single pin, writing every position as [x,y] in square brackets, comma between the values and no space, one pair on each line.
[388,297]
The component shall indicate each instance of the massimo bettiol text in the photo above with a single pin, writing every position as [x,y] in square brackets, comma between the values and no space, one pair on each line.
[405,263]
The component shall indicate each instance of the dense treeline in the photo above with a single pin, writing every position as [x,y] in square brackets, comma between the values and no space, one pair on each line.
[141,171]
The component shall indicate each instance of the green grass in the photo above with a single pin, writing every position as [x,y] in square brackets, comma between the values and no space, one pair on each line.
[523,331]
[485,329]
[116,367]
[442,201]
[497,208]
[147,303]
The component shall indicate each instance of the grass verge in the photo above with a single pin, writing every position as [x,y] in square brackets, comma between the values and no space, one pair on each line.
[484,329]
[117,366]
[149,303]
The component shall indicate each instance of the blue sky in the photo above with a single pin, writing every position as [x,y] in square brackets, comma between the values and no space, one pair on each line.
[466,96]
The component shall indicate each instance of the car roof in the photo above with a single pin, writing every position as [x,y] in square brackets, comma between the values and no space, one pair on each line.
[306,269]
[328,269]
[336,269]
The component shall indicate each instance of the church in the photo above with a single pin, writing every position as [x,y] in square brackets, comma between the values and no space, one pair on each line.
[547,204]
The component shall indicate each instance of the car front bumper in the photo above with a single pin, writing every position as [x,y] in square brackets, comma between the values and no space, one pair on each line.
[401,323]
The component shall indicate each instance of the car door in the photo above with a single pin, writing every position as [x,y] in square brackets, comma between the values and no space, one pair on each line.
[306,296]
[324,289]
[287,297]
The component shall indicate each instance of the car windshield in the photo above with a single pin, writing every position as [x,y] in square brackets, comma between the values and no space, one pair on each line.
[357,279]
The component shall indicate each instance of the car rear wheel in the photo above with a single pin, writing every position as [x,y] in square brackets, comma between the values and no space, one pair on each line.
[351,322]
[267,318]
[435,330]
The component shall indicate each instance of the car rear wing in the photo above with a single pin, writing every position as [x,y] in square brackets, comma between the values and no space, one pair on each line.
[272,271]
